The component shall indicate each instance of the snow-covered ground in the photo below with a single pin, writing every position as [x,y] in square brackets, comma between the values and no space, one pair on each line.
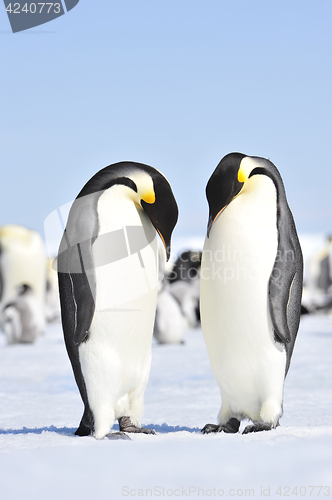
[41,458]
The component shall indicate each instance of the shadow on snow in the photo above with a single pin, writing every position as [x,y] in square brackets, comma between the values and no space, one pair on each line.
[65,431]
[70,431]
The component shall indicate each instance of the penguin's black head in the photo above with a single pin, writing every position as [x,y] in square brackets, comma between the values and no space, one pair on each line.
[229,178]
[161,208]
[223,185]
[148,188]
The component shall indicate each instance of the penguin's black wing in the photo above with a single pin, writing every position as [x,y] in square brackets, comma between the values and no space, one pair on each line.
[76,268]
[76,275]
[285,285]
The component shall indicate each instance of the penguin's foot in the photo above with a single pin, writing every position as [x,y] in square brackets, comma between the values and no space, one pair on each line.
[259,426]
[126,425]
[117,435]
[231,427]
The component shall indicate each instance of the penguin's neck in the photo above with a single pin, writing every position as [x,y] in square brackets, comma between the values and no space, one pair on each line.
[246,230]
[255,208]
[116,208]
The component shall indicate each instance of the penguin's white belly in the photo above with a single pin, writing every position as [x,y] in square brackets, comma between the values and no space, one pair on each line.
[238,258]
[116,358]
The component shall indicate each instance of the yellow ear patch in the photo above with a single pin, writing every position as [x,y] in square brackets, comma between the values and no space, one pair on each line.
[242,177]
[149,197]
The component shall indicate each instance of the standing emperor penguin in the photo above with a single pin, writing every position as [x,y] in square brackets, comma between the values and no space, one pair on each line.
[251,286]
[108,281]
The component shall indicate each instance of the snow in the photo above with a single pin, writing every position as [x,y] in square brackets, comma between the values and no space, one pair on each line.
[41,458]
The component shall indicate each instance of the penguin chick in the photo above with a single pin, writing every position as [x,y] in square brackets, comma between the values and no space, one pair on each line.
[23,319]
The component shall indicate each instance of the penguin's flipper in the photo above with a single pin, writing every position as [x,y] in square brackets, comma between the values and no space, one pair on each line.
[77,287]
[76,319]
[285,285]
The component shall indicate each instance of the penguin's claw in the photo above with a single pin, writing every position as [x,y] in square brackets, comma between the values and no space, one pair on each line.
[258,427]
[143,430]
[208,428]
[126,425]
[231,427]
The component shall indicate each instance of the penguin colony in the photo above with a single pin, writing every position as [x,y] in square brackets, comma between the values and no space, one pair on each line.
[108,282]
[251,286]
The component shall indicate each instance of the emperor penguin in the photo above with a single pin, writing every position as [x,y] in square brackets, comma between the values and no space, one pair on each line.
[22,283]
[108,281]
[22,317]
[251,286]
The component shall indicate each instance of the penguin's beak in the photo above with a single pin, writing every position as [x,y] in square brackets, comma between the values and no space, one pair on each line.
[212,220]
[167,247]
[163,227]
[148,200]
[159,204]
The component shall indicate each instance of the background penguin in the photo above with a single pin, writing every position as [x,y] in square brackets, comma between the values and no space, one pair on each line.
[108,280]
[187,295]
[23,283]
[23,318]
[251,285]
[170,323]
[317,292]
[184,284]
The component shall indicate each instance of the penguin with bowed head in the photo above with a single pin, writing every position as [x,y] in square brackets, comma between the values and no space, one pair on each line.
[108,282]
[251,286]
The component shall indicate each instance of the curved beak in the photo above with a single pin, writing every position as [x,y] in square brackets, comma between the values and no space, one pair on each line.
[212,220]
[167,246]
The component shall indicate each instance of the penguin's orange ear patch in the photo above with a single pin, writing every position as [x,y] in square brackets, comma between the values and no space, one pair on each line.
[241,176]
[149,197]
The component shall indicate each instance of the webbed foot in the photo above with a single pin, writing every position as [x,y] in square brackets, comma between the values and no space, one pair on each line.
[231,427]
[126,425]
[257,427]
